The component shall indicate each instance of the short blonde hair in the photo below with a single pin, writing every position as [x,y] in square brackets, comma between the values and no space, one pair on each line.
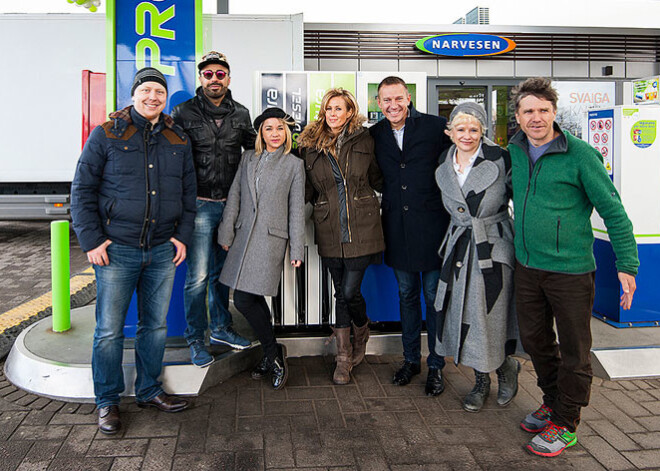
[260,144]
[461,118]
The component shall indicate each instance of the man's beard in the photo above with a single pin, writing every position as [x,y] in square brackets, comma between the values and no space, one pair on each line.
[219,93]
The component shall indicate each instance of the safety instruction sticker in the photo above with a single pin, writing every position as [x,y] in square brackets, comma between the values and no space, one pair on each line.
[643,133]
[600,136]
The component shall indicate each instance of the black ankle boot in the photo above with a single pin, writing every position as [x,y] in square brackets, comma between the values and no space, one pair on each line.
[262,369]
[475,399]
[279,370]
[434,382]
[507,379]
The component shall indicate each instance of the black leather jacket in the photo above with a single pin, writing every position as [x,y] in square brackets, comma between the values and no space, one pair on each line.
[216,151]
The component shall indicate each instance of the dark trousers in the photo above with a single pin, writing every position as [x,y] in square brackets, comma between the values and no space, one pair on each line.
[564,371]
[349,302]
[255,309]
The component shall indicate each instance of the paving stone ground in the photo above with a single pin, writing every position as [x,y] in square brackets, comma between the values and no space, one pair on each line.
[25,261]
[312,424]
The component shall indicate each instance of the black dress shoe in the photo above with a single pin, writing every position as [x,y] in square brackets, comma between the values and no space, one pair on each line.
[405,373]
[166,403]
[109,422]
[435,384]
[279,370]
[262,369]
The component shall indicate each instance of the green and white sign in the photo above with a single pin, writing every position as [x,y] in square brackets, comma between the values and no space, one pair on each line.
[643,133]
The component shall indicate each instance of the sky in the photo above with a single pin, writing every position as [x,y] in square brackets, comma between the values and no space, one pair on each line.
[607,13]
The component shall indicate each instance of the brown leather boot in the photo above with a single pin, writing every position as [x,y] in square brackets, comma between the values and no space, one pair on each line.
[344,356]
[360,338]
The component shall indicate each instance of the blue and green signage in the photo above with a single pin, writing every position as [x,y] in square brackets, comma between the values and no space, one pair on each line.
[465,45]
[164,34]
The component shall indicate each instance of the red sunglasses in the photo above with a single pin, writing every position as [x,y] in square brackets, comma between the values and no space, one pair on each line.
[208,74]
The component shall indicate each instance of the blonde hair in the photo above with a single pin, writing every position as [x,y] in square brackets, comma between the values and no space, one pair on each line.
[461,118]
[318,135]
[260,144]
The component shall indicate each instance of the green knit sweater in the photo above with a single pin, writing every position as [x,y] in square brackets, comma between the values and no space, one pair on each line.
[553,201]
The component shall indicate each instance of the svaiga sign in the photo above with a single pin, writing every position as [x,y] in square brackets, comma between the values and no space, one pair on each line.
[465,45]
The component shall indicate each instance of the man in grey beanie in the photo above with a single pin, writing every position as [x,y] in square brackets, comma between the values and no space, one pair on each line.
[133,208]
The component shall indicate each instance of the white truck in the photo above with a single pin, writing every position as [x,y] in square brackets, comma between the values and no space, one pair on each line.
[43,57]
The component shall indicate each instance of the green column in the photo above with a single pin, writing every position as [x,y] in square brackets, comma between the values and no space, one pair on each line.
[59,256]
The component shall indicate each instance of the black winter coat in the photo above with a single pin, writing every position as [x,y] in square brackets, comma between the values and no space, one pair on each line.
[216,151]
[414,219]
[133,185]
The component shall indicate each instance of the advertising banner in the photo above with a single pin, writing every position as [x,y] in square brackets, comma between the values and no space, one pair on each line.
[272,91]
[296,102]
[645,90]
[576,98]
[153,33]
[299,93]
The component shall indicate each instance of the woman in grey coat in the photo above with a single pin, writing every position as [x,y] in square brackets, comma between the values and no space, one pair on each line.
[475,290]
[264,212]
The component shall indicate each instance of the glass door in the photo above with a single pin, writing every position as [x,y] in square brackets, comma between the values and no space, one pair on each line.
[449,97]
[494,95]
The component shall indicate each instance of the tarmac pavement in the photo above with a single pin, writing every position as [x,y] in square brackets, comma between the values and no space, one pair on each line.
[313,424]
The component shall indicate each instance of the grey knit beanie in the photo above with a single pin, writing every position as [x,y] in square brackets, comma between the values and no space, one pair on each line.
[473,109]
[148,74]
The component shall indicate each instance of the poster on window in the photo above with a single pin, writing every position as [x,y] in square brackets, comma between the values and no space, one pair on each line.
[577,98]
[367,86]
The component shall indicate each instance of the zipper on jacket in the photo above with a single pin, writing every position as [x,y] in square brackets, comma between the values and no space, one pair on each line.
[536,176]
[558,226]
[147,206]
[522,224]
[107,222]
[348,214]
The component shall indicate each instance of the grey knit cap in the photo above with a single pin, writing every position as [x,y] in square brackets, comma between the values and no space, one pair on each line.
[148,74]
[473,109]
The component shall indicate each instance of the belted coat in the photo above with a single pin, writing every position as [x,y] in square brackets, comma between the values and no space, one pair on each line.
[476,281]
[258,222]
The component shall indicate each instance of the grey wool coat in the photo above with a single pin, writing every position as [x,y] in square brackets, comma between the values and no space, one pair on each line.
[257,225]
[475,290]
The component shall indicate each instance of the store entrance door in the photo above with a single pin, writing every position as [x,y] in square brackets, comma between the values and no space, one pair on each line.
[493,96]
[449,97]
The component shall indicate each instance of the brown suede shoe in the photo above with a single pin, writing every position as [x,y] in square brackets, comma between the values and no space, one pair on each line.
[109,422]
[166,403]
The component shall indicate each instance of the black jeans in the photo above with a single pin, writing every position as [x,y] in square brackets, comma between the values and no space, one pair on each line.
[255,310]
[564,370]
[349,302]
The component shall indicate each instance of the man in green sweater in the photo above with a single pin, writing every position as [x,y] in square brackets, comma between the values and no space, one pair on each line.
[557,182]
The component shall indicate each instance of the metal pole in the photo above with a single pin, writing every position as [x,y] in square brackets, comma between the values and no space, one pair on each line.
[60,275]
[223,7]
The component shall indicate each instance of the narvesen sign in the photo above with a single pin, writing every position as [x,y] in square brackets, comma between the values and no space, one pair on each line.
[465,45]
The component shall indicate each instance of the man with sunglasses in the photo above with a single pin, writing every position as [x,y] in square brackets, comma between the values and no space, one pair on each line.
[219,128]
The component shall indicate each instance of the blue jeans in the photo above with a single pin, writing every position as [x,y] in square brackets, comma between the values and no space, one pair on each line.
[411,315]
[205,261]
[151,273]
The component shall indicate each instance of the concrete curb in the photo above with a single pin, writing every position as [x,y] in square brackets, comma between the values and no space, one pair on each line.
[17,319]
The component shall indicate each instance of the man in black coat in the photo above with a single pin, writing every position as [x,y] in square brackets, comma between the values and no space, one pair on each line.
[408,144]
[218,127]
